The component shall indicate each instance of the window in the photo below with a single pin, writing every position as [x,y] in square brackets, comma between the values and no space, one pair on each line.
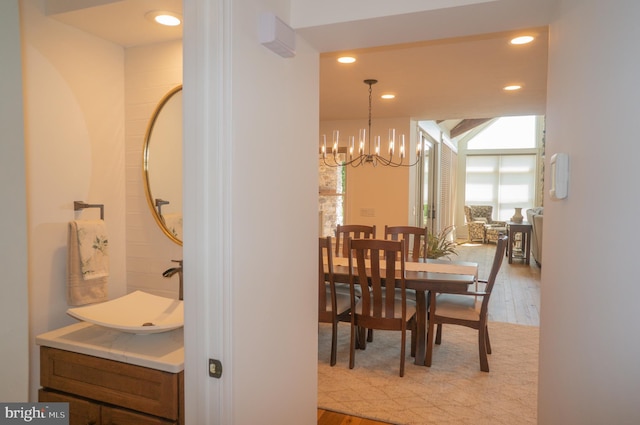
[507,133]
[331,197]
[501,166]
[504,181]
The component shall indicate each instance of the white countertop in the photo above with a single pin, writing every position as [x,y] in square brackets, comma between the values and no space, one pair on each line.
[162,351]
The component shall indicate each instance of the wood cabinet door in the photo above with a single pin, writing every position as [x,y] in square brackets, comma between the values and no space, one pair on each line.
[81,412]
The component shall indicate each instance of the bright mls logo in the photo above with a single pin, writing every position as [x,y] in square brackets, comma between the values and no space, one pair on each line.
[36,413]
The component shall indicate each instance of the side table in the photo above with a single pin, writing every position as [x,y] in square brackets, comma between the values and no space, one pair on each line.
[524,229]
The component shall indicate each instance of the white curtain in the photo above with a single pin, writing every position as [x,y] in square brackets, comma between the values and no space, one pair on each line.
[503,181]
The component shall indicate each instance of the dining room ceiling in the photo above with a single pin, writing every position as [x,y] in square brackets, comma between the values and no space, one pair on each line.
[438,79]
[446,79]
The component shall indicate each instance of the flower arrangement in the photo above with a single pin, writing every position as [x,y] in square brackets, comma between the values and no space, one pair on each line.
[441,244]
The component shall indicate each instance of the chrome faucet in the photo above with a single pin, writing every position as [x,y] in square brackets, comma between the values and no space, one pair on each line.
[170,272]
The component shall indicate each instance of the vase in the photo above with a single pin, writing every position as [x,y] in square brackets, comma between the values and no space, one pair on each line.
[517,217]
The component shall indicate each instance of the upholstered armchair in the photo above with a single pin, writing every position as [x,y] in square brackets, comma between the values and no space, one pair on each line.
[534,217]
[481,224]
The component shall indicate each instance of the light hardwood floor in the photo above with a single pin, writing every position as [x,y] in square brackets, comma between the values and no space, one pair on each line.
[327,417]
[516,294]
[515,299]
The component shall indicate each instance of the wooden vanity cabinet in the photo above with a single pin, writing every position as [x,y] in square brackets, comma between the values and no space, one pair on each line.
[107,392]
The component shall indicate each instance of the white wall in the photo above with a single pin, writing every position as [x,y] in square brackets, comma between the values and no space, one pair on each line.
[251,122]
[371,191]
[150,72]
[589,345]
[74,113]
[14,317]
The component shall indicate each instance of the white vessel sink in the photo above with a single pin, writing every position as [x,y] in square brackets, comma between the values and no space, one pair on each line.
[138,312]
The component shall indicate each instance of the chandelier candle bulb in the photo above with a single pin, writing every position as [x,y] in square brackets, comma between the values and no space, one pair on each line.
[324,146]
[351,146]
[377,145]
[336,137]
[402,146]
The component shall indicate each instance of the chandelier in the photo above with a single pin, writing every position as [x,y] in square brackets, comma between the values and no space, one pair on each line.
[372,155]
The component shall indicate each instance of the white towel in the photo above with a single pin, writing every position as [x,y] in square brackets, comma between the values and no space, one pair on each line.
[90,287]
[93,244]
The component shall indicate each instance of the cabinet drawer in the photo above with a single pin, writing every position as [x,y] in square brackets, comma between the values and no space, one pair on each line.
[81,412]
[134,387]
[113,416]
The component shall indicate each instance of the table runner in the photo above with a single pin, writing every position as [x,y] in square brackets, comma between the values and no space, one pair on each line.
[434,267]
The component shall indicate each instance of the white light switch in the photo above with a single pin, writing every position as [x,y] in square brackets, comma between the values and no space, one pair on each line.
[367,212]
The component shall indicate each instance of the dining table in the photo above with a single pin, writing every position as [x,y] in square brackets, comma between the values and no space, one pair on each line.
[426,276]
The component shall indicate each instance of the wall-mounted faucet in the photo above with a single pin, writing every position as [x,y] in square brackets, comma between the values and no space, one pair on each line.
[170,272]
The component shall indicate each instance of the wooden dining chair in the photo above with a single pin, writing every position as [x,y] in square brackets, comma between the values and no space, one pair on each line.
[378,307]
[468,309]
[415,237]
[333,306]
[415,243]
[351,231]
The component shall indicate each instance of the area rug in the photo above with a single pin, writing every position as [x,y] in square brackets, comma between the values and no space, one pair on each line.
[452,391]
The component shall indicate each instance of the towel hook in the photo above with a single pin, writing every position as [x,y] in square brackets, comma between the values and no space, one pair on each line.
[79,205]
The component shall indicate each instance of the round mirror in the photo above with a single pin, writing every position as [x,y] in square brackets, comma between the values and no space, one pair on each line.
[162,164]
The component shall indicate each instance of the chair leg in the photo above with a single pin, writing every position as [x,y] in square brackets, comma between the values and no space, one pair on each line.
[486,334]
[439,334]
[352,346]
[370,335]
[402,352]
[482,348]
[362,340]
[430,338]
[414,341]
[334,342]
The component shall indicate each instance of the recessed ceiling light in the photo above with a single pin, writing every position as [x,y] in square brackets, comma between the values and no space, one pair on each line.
[388,96]
[513,87]
[522,40]
[346,59]
[170,19]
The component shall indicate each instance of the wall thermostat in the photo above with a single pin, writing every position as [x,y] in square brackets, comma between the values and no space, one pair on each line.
[559,176]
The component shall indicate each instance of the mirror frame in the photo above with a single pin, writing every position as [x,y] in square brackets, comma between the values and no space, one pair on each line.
[145,164]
